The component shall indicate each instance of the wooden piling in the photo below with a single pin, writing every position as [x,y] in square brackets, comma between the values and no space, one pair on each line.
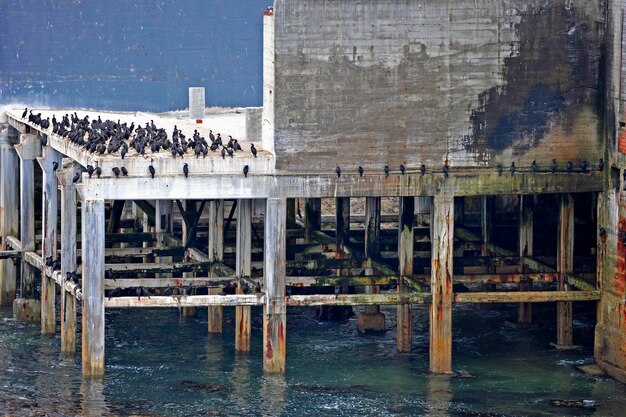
[487,209]
[163,227]
[312,217]
[92,242]
[28,149]
[9,213]
[442,236]
[275,308]
[405,259]
[243,270]
[216,253]
[189,233]
[526,220]
[49,213]
[68,254]
[565,265]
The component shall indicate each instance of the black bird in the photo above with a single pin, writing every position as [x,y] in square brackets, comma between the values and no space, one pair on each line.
[76,178]
[337,290]
[115,292]
[44,140]
[139,292]
[55,166]
[189,290]
[570,166]
[116,171]
[246,288]
[288,290]
[123,151]
[423,169]
[186,170]
[257,287]
[338,171]
[446,170]
[98,171]
[223,153]
[245,170]
[90,170]
[534,166]
[48,261]
[499,168]
[167,291]
[402,169]
[110,274]
[124,171]
[152,171]
[603,234]
[253,149]
[25,113]
[56,264]
[386,169]
[513,168]
[601,164]
[583,165]
[553,166]
[361,170]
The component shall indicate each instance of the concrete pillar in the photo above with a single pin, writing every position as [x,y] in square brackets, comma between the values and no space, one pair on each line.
[441,284]
[405,261]
[50,213]
[68,253]
[275,308]
[92,242]
[312,217]
[526,220]
[28,149]
[565,265]
[243,268]
[216,253]
[9,213]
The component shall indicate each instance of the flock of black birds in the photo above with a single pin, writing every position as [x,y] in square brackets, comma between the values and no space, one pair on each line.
[109,137]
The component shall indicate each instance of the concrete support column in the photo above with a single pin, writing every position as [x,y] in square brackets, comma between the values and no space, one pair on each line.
[242,270]
[405,259]
[312,217]
[29,148]
[565,265]
[216,253]
[49,162]
[68,253]
[442,236]
[372,319]
[92,242]
[9,213]
[275,308]
[526,207]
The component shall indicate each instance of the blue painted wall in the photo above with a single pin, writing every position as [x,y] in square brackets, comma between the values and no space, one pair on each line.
[130,54]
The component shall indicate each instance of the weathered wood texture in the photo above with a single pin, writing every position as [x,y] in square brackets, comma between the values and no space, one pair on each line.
[526,235]
[275,312]
[487,211]
[49,246]
[441,285]
[189,213]
[372,242]
[9,214]
[92,231]
[27,150]
[243,260]
[216,253]
[68,255]
[312,217]
[418,106]
[404,342]
[565,264]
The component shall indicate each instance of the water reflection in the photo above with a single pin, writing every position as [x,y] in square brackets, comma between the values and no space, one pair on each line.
[273,395]
[439,395]
[93,402]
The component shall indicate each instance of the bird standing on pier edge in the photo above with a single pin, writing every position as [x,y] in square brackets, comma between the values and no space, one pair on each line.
[152,171]
[361,170]
[245,171]
[338,171]
[186,170]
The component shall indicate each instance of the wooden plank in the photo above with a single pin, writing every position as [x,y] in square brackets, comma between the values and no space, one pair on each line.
[404,341]
[160,282]
[92,222]
[505,278]
[10,254]
[441,284]
[565,265]
[526,296]
[68,254]
[243,269]
[216,254]
[137,252]
[49,247]
[9,213]
[156,267]
[358,299]
[185,301]
[14,243]
[275,307]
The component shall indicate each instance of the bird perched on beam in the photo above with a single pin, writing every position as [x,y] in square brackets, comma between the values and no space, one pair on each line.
[338,171]
[116,171]
[124,171]
[55,166]
[98,171]
[553,166]
[583,165]
[245,170]
[570,166]
[601,165]
[499,169]
[76,178]
[152,171]
[534,166]
[361,170]
[513,168]
[386,169]
[337,291]
[445,170]
[253,149]
[186,170]
[402,169]
[25,113]
[423,169]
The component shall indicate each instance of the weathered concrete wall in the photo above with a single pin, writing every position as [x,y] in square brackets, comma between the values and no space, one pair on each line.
[375,82]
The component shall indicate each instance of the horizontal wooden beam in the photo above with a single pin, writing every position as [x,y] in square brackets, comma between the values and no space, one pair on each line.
[160,267]
[123,252]
[168,282]
[8,254]
[358,299]
[503,278]
[68,286]
[319,281]
[581,283]
[525,296]
[185,301]
[14,243]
